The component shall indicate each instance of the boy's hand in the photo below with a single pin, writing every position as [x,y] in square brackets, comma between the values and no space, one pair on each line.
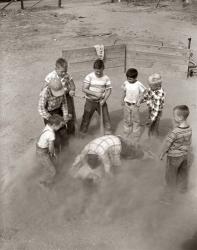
[72,93]
[102,102]
[161,156]
[68,118]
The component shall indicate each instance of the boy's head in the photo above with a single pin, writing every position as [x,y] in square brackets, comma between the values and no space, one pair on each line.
[131,75]
[93,160]
[61,67]
[55,122]
[155,81]
[99,67]
[180,113]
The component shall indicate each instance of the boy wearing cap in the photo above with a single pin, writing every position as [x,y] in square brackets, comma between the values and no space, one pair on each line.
[131,98]
[154,97]
[61,73]
[53,101]
[99,155]
[45,151]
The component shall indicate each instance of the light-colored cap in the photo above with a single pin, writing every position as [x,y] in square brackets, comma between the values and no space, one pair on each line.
[56,87]
[155,79]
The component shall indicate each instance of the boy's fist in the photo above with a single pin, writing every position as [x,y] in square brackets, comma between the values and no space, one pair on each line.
[72,93]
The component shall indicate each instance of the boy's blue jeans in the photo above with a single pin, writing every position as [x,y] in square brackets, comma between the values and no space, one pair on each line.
[89,109]
[44,160]
[177,171]
[131,120]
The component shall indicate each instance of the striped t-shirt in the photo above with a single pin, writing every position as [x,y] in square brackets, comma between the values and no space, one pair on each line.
[179,141]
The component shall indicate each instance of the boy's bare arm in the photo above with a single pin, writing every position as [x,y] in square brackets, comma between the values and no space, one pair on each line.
[123,97]
[51,148]
[72,88]
[107,94]
[165,149]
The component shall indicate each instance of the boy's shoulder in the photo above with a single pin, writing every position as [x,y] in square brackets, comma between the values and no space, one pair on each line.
[51,75]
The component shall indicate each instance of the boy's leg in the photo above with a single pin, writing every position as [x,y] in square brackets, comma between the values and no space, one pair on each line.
[172,167]
[128,126]
[183,174]
[46,161]
[136,123]
[154,126]
[71,110]
[106,118]
[89,110]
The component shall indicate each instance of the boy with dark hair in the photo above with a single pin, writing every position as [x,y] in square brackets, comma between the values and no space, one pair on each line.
[61,73]
[131,99]
[177,146]
[45,150]
[97,87]
[154,97]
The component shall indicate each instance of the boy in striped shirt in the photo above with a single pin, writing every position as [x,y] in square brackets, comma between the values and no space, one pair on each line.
[177,146]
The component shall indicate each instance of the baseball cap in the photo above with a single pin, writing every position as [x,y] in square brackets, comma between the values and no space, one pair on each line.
[56,87]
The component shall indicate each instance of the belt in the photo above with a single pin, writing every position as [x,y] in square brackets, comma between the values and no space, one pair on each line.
[130,103]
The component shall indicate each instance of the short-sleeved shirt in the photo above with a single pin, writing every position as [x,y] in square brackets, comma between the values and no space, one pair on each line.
[132,91]
[64,80]
[97,84]
[179,140]
[46,137]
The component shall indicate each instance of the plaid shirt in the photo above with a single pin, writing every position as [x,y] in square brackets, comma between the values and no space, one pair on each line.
[108,149]
[155,101]
[48,102]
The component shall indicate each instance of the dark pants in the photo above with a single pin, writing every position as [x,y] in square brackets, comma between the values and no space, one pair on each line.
[154,126]
[71,110]
[89,109]
[177,171]
[61,135]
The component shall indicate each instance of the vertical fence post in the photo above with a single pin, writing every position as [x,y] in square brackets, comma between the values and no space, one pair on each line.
[59,3]
[22,5]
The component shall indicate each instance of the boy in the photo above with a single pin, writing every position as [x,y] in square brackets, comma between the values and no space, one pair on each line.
[52,101]
[177,147]
[132,94]
[45,147]
[60,72]
[154,97]
[97,87]
[99,155]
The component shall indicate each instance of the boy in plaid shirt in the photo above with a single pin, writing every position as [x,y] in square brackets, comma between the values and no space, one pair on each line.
[61,73]
[99,155]
[154,97]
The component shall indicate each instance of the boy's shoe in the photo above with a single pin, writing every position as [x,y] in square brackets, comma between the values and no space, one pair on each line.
[82,135]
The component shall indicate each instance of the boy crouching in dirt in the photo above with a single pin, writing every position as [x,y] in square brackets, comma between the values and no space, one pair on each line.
[45,151]
[61,73]
[154,97]
[101,154]
[177,147]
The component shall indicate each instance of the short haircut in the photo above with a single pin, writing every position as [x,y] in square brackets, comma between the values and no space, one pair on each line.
[98,64]
[55,120]
[183,111]
[61,62]
[93,160]
[132,73]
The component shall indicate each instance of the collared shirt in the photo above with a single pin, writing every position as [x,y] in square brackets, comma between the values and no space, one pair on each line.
[108,149]
[97,84]
[46,137]
[67,80]
[155,101]
[179,141]
[133,91]
[48,102]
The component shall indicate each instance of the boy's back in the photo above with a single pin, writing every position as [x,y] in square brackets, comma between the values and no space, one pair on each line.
[180,139]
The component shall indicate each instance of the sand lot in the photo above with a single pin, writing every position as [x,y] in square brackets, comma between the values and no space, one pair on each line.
[126,213]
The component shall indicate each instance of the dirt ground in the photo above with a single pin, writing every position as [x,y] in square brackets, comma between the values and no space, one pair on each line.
[125,213]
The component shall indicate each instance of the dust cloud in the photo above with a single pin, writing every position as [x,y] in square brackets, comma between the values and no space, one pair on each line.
[125,212]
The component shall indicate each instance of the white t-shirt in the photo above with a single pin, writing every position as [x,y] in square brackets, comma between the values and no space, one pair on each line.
[46,137]
[97,84]
[133,91]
